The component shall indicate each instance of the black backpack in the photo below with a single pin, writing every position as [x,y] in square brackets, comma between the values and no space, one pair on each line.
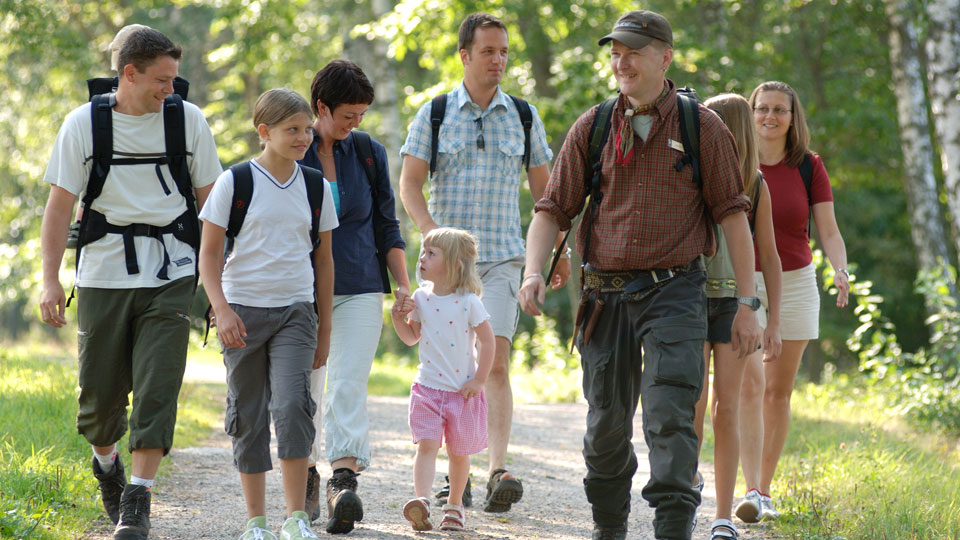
[687,108]
[438,107]
[93,224]
[243,193]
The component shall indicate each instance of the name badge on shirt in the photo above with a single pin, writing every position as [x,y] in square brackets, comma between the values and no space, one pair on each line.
[676,145]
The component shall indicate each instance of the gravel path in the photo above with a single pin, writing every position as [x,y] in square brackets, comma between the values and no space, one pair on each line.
[201,497]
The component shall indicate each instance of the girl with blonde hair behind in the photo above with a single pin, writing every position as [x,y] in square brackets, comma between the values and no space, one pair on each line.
[728,365]
[456,352]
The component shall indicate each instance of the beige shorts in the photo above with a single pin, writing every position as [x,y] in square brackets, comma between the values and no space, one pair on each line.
[799,304]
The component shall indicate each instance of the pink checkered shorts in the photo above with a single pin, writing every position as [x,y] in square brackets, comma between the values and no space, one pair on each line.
[435,414]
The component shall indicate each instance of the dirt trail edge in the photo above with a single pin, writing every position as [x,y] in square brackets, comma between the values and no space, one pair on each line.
[200,497]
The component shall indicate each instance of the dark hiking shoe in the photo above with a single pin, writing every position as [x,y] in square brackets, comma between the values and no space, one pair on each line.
[609,533]
[111,486]
[134,514]
[343,505]
[502,492]
[312,501]
[444,492]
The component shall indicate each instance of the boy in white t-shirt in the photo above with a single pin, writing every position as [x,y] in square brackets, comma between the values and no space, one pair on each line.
[448,319]
[135,281]
[273,334]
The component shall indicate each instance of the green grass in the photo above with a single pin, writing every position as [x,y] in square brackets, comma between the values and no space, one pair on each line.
[46,489]
[852,471]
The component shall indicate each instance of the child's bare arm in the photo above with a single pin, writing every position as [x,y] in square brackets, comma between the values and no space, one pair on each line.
[407,330]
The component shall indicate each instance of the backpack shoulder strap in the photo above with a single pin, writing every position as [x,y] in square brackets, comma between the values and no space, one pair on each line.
[438,107]
[175,137]
[599,132]
[242,193]
[314,181]
[806,173]
[361,140]
[364,146]
[101,116]
[526,119]
[689,112]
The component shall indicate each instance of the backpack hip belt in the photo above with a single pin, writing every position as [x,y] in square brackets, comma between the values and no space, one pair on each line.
[98,227]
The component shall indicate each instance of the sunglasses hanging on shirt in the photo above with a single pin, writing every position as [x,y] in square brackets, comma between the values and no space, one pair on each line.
[479,122]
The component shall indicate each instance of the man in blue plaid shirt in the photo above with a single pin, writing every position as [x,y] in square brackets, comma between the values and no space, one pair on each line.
[475,187]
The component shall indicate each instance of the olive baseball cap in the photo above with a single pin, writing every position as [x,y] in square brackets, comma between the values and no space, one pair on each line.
[637,28]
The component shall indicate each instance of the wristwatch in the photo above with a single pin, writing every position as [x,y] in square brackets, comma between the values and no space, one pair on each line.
[752,301]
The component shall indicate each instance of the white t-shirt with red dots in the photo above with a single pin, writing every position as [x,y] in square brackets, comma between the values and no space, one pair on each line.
[448,353]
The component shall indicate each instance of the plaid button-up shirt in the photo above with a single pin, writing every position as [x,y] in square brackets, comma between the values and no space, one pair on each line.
[473,189]
[651,215]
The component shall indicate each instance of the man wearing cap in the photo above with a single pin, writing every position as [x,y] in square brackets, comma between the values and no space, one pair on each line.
[643,320]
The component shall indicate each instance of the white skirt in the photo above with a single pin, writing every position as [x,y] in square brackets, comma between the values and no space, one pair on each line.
[799,304]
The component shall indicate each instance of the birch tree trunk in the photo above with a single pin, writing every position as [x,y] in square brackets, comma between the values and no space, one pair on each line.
[943,76]
[930,238]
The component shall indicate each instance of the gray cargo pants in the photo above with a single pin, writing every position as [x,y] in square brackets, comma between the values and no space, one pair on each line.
[646,346]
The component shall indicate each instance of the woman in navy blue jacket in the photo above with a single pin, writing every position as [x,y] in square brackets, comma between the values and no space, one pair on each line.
[340,95]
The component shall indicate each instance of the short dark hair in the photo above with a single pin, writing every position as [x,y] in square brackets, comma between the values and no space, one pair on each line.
[468,28]
[143,47]
[339,82]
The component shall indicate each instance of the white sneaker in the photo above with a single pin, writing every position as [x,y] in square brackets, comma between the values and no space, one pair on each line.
[297,527]
[750,508]
[257,530]
[768,512]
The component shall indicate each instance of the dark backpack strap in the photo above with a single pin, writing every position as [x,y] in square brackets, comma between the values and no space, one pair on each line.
[364,146]
[599,132]
[240,203]
[314,182]
[526,119]
[438,107]
[689,112]
[806,173]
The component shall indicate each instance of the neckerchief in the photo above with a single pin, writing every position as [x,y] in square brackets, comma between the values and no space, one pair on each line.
[624,137]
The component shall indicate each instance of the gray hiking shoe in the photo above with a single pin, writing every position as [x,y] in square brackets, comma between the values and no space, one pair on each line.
[111,486]
[134,514]
[502,492]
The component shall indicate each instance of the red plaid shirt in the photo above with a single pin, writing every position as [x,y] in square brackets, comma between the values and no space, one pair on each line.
[651,216]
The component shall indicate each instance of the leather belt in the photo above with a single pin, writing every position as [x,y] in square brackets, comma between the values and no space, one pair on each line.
[633,281]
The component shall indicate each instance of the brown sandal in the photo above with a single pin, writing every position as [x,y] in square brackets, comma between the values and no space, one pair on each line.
[453,518]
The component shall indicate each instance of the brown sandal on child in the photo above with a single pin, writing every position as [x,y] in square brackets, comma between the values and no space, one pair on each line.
[453,518]
[417,512]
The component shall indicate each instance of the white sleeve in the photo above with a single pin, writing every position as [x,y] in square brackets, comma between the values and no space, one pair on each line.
[204,163]
[217,208]
[68,167]
[328,215]
[418,296]
[478,313]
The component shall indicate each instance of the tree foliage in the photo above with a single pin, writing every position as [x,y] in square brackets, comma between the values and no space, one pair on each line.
[830,51]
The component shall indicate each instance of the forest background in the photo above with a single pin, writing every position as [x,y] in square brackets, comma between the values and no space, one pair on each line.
[878,79]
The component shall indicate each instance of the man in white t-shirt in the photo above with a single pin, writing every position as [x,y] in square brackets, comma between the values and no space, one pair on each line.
[136,265]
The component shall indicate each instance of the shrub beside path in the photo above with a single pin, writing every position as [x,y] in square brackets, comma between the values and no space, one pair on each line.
[200,496]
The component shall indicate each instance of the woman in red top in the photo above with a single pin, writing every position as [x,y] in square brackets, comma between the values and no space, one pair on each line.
[783,142]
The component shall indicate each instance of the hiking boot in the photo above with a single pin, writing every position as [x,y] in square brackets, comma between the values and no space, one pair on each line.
[111,486]
[502,492]
[444,492]
[601,532]
[257,530]
[750,509]
[343,505]
[134,514]
[297,527]
[312,501]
